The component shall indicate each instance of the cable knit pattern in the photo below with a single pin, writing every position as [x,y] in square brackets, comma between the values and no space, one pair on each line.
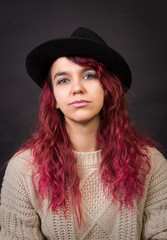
[22,217]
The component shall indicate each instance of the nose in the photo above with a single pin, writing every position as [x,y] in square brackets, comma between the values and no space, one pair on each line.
[77,87]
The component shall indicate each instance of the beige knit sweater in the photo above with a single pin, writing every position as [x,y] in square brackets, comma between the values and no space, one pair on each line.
[22,217]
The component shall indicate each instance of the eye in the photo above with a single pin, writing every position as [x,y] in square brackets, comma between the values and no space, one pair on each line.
[63,81]
[90,76]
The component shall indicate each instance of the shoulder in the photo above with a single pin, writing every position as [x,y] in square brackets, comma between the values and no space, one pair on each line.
[155,210]
[157,160]
[17,180]
[21,162]
[157,188]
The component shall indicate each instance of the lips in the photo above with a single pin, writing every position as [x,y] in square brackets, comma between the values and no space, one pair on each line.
[79,103]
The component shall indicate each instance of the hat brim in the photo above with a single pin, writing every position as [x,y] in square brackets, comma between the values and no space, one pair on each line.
[40,59]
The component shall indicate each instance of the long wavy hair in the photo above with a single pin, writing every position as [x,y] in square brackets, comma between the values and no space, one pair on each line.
[124,164]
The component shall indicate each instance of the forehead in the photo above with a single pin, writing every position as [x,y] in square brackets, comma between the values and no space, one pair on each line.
[65,65]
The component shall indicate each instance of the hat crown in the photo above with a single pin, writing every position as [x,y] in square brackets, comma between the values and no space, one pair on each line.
[84,43]
[86,33]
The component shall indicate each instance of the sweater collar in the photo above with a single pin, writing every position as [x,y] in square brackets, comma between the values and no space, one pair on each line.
[88,159]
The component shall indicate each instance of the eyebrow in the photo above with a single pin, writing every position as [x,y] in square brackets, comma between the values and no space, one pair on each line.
[58,74]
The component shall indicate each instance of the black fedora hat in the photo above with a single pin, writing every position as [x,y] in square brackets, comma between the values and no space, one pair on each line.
[83,43]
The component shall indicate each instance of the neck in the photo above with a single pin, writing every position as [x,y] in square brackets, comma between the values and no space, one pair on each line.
[83,135]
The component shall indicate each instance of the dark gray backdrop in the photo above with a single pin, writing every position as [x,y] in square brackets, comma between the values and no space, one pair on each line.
[136,29]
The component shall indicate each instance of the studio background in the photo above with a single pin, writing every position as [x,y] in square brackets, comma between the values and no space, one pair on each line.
[136,29]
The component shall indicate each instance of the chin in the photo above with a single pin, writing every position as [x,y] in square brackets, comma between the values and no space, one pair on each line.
[86,119]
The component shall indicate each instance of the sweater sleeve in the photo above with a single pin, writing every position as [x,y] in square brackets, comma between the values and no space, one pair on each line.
[155,212]
[18,217]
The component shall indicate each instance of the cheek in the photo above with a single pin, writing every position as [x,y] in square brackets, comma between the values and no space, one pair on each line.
[56,99]
[101,99]
[100,96]
[101,102]
[59,99]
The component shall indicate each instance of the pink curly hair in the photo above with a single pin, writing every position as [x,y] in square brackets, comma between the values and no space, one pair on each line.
[124,164]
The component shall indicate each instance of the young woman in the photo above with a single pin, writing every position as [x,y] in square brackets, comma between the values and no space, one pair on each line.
[85,173]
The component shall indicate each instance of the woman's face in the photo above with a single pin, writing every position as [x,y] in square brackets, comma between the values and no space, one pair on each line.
[77,90]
